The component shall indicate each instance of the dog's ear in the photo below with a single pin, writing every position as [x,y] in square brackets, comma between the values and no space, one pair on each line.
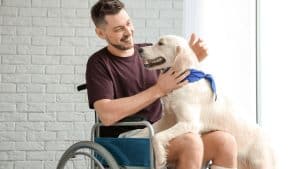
[179,53]
[182,58]
[178,50]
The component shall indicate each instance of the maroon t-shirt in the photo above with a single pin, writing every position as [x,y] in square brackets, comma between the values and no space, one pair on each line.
[112,77]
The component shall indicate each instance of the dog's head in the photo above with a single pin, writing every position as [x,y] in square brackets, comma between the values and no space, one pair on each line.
[169,51]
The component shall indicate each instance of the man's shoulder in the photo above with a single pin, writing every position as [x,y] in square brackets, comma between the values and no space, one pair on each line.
[97,56]
[97,62]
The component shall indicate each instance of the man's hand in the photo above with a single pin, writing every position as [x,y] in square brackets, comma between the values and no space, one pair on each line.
[198,47]
[171,80]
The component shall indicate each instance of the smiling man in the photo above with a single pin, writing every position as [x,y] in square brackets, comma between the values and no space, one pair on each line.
[120,86]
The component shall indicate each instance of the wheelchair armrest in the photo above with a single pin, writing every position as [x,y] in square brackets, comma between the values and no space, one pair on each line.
[147,125]
[134,118]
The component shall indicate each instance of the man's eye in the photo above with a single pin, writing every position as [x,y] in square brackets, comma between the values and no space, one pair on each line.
[118,30]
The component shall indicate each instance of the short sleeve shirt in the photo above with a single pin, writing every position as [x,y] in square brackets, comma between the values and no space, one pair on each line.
[113,77]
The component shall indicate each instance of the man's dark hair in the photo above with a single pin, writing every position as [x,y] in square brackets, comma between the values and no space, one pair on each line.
[103,8]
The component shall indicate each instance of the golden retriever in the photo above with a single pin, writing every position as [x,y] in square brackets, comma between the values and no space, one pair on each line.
[194,108]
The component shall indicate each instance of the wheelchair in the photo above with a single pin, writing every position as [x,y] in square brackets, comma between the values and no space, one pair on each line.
[111,152]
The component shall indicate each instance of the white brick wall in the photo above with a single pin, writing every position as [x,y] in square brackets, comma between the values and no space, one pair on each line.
[44,45]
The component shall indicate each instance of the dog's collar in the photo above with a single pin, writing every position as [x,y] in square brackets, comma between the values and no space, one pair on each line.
[196,75]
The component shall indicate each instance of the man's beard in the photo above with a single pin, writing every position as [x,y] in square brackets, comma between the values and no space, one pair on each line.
[121,46]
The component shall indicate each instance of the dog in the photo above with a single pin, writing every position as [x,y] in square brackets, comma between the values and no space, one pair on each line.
[195,108]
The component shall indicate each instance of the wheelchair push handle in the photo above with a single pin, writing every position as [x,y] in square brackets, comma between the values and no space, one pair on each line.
[81,87]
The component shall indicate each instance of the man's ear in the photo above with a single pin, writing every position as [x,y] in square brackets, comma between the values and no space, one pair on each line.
[100,32]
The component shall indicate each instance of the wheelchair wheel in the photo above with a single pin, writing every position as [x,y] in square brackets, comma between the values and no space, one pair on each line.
[70,157]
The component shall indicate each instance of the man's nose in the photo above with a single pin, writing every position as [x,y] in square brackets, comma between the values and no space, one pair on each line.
[128,31]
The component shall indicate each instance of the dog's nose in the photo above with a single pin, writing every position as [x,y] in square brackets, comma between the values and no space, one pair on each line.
[141,50]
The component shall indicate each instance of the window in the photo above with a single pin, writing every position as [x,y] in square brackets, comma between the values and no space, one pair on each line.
[228,29]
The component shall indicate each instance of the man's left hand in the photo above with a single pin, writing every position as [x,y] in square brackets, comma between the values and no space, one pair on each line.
[198,47]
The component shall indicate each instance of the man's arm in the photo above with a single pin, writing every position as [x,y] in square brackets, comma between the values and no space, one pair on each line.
[111,111]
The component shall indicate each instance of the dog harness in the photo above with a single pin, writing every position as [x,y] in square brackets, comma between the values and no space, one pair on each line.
[196,75]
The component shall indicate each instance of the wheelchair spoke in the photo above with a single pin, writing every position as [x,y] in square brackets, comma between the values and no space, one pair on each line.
[79,160]
[82,160]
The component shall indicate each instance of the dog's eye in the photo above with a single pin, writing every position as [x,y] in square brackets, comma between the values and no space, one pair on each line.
[160,43]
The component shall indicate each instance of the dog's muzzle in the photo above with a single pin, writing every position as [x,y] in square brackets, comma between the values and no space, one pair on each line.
[148,63]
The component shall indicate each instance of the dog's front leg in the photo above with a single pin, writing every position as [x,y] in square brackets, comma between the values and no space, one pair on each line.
[161,140]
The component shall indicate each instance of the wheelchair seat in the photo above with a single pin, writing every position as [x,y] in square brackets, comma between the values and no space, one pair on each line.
[128,152]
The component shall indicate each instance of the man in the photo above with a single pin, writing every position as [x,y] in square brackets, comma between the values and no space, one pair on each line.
[119,86]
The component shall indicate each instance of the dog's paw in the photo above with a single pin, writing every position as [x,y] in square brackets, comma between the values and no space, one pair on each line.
[160,154]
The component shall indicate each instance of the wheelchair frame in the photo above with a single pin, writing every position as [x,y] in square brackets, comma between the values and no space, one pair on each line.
[98,149]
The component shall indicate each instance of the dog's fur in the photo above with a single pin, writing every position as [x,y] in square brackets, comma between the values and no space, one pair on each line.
[193,108]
